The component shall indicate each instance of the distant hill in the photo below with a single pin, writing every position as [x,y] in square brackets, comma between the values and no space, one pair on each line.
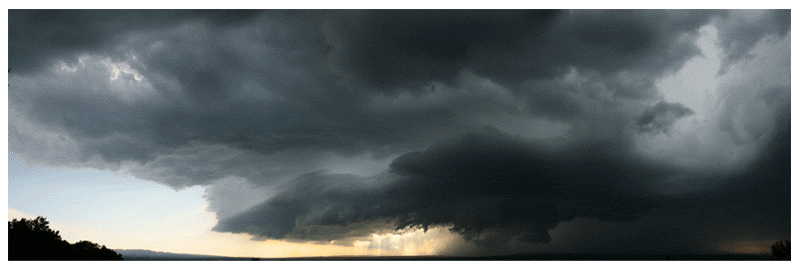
[149,255]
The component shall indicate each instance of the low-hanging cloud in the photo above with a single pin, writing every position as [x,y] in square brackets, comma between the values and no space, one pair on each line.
[488,185]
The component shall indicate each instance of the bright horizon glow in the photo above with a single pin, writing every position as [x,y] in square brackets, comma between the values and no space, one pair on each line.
[129,213]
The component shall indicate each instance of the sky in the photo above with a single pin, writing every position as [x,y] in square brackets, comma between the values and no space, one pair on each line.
[284,133]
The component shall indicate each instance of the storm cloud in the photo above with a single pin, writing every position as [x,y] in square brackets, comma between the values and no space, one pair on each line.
[480,181]
[661,116]
[502,125]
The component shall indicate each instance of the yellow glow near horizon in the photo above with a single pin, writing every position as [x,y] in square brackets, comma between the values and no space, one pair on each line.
[411,242]
[746,246]
[158,219]
[194,236]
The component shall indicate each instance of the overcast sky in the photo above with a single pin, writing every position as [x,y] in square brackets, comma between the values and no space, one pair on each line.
[464,132]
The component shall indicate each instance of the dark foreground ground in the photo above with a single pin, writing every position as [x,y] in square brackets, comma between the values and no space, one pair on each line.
[145,255]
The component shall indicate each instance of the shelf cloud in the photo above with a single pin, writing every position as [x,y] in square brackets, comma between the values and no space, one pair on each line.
[320,125]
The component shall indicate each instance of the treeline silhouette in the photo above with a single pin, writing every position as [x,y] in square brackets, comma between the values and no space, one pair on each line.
[782,250]
[33,240]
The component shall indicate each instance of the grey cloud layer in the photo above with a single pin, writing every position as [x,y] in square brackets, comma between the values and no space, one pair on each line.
[275,100]
[391,50]
[477,182]
[493,188]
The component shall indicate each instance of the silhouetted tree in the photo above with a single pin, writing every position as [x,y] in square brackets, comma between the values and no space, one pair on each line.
[781,250]
[85,250]
[34,240]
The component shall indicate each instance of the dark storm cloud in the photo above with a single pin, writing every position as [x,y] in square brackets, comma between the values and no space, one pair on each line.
[482,183]
[661,116]
[752,205]
[39,38]
[553,99]
[186,57]
[260,86]
[248,100]
[262,80]
[312,199]
[405,50]
[493,188]
[748,207]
